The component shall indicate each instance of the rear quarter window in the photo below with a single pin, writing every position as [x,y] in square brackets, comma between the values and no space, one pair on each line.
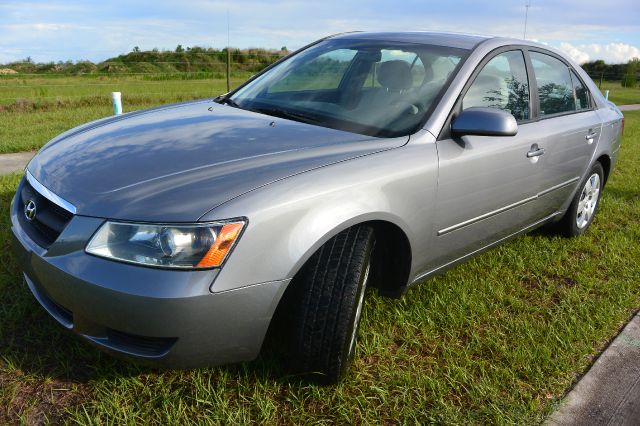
[581,92]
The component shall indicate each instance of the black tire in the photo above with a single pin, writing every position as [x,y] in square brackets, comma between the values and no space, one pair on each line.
[569,225]
[325,317]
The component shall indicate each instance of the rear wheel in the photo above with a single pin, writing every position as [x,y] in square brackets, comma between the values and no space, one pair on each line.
[584,205]
[330,293]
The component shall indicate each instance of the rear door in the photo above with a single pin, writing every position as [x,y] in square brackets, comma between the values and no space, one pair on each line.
[569,127]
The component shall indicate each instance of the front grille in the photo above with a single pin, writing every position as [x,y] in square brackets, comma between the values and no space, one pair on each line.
[50,219]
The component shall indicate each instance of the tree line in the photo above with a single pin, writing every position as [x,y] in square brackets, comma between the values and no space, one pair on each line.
[627,74]
[181,60]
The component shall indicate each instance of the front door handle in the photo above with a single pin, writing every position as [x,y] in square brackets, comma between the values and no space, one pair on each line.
[535,151]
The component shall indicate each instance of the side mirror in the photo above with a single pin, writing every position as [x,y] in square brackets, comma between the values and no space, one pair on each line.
[484,121]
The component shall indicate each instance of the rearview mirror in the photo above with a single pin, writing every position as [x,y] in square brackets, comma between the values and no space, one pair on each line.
[484,121]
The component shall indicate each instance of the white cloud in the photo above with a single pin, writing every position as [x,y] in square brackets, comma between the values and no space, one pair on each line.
[612,53]
[54,30]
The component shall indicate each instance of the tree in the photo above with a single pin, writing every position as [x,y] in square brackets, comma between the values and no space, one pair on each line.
[179,49]
[630,78]
[136,49]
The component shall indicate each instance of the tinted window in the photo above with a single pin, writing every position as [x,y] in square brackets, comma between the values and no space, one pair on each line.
[502,84]
[554,84]
[322,73]
[372,87]
[434,73]
[411,60]
[582,95]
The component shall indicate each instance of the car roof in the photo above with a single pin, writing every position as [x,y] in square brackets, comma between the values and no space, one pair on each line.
[455,40]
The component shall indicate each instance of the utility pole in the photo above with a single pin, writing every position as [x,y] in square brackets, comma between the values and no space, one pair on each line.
[527,5]
[228,55]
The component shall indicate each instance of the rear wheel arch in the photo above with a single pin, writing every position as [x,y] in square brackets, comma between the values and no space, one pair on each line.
[605,161]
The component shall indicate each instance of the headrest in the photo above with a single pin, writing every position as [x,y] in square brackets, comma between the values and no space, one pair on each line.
[395,75]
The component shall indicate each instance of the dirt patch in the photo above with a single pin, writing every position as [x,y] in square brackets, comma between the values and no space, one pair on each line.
[36,401]
[563,281]
[531,283]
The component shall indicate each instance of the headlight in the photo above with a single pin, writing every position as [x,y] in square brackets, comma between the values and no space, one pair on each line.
[172,246]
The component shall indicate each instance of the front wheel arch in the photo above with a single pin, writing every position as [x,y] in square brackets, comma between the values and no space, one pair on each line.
[393,257]
[391,267]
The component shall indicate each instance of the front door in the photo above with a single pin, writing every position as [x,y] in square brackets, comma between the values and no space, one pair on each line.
[488,186]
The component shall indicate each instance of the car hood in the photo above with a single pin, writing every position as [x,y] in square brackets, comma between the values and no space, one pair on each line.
[176,163]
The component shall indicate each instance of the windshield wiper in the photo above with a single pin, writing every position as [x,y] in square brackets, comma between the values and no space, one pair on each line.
[291,115]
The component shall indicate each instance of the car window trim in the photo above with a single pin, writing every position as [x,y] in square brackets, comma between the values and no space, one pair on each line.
[573,74]
[569,68]
[524,61]
[445,132]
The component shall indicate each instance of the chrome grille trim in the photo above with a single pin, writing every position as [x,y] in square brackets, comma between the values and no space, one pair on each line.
[59,201]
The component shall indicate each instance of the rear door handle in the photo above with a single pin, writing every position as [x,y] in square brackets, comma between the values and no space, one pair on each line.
[535,151]
[590,136]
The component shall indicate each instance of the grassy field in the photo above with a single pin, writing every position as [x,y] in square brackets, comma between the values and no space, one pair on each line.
[497,340]
[33,110]
[621,95]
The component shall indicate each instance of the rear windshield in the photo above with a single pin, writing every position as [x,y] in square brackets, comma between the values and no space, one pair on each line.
[376,88]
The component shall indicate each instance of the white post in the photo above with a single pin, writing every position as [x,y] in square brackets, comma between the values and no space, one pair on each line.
[116,98]
[606,94]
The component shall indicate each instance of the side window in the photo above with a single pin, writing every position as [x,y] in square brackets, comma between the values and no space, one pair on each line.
[502,84]
[322,73]
[555,88]
[582,94]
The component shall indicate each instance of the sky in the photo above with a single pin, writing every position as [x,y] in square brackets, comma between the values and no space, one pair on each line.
[56,30]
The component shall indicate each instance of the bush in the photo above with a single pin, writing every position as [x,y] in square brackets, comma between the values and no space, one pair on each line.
[629,80]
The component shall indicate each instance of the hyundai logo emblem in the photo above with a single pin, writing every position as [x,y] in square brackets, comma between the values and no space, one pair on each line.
[30,210]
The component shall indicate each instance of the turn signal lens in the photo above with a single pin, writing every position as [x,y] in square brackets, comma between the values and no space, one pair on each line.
[218,251]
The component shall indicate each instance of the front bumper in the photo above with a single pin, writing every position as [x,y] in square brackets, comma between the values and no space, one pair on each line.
[166,317]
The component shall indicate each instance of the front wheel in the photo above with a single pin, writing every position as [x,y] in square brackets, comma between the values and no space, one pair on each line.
[584,205]
[330,296]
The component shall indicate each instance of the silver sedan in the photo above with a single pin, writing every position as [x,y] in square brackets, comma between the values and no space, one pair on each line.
[181,235]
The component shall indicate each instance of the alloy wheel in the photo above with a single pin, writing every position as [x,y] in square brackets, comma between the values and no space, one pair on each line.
[588,201]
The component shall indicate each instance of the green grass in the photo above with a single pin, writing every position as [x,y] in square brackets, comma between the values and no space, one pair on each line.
[621,95]
[34,110]
[497,340]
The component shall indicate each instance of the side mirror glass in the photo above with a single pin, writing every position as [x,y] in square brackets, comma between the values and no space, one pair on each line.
[482,121]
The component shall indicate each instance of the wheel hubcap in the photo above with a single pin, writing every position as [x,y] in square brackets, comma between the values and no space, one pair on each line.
[588,201]
[356,320]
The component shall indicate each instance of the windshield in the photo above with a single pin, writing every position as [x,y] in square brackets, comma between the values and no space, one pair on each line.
[376,88]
